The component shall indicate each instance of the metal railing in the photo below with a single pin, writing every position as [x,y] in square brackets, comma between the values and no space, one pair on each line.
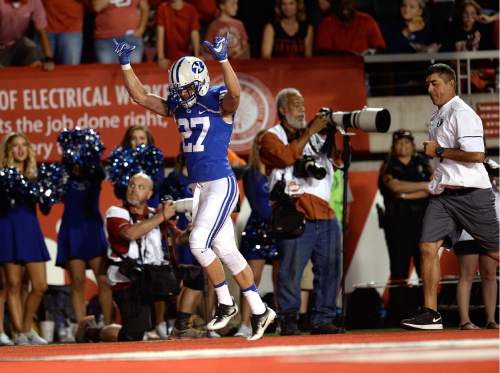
[459,57]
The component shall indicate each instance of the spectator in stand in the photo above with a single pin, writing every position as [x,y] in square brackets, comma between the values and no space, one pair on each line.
[149,35]
[410,33]
[23,245]
[177,32]
[124,20]
[255,14]
[15,48]
[469,34]
[317,10]
[65,29]
[290,35]
[225,22]
[207,11]
[347,30]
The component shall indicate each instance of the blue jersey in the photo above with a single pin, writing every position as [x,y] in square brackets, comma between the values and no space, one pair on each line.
[205,136]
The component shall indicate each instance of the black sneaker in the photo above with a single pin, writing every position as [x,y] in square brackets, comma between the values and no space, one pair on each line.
[424,319]
[260,323]
[223,314]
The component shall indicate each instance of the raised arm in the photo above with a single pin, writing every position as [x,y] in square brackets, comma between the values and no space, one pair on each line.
[135,88]
[218,50]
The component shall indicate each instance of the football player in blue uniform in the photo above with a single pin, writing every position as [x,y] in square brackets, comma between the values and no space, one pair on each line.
[204,117]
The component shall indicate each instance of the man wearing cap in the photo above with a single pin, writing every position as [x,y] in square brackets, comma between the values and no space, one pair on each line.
[462,195]
[403,181]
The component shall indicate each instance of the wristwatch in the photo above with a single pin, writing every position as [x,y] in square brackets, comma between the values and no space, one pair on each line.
[439,151]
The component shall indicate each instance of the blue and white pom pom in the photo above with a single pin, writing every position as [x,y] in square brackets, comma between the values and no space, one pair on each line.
[15,188]
[51,182]
[82,147]
[126,162]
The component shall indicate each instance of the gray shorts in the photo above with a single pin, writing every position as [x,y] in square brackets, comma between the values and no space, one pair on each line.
[452,211]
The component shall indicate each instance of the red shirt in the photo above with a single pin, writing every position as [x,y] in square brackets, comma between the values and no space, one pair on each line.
[64,15]
[115,20]
[207,9]
[15,21]
[359,35]
[178,25]
[238,36]
[114,226]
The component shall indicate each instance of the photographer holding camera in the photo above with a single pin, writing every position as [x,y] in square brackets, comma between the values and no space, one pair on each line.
[300,177]
[136,246]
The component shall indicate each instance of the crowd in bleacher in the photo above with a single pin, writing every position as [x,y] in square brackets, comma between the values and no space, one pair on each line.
[43,32]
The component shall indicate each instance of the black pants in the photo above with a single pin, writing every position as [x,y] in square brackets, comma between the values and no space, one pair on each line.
[402,234]
[135,313]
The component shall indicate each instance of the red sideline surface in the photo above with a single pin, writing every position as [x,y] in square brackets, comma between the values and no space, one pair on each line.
[267,364]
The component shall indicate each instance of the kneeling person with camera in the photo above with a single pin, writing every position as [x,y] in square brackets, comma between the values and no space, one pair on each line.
[138,270]
[300,172]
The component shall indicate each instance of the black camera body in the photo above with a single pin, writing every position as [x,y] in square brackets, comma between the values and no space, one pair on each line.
[131,269]
[307,167]
[279,195]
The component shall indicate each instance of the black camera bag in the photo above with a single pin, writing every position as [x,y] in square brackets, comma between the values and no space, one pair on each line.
[160,282]
[287,222]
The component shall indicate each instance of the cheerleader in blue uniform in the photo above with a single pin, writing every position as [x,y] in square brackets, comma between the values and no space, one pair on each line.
[22,243]
[257,245]
[81,242]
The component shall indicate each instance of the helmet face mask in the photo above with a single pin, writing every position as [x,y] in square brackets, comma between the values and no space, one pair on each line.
[189,79]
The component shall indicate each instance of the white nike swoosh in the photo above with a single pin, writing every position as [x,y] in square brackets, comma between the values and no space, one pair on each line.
[218,48]
[436,320]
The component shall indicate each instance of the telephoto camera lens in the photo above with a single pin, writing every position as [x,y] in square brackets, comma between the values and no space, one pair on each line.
[366,119]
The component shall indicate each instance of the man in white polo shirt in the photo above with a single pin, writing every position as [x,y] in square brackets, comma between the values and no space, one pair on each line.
[462,199]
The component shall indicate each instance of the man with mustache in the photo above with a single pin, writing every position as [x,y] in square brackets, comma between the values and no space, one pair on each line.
[282,151]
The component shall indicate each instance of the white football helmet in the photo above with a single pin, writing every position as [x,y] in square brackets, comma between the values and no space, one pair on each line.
[188,72]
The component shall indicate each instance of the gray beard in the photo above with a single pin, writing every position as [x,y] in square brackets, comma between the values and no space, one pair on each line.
[296,123]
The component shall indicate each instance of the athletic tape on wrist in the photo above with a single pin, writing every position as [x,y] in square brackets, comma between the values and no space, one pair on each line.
[126,67]
[224,60]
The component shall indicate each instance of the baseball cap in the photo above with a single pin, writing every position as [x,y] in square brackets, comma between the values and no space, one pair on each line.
[402,134]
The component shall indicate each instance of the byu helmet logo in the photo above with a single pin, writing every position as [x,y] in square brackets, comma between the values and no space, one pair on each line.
[197,67]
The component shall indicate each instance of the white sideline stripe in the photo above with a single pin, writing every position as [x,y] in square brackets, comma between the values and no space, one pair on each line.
[414,356]
[270,351]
